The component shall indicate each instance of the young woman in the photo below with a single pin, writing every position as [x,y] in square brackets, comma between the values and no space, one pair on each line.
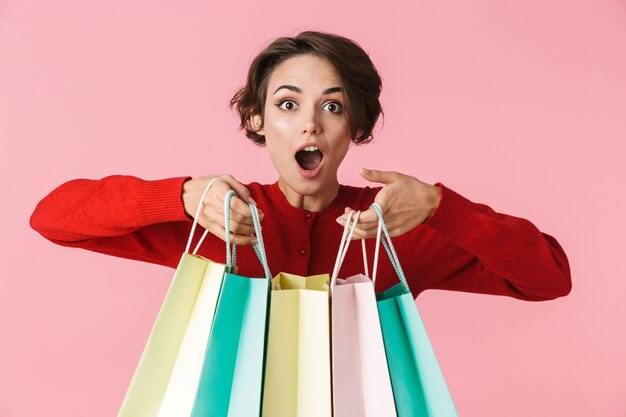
[306,99]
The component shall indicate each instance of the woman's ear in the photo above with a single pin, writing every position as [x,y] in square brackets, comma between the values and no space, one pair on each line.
[255,122]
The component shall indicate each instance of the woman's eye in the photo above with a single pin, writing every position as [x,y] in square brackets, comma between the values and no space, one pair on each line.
[333,107]
[287,105]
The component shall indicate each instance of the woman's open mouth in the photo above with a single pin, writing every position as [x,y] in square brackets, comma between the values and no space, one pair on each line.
[310,160]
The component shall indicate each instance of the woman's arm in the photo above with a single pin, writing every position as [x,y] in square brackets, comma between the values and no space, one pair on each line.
[465,246]
[143,220]
[117,215]
[504,254]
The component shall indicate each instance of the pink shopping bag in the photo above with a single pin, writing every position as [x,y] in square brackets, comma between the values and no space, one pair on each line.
[361,383]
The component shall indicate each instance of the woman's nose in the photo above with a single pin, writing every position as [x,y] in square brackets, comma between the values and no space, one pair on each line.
[311,124]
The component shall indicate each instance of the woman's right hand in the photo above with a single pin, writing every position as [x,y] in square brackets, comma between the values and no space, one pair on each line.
[212,214]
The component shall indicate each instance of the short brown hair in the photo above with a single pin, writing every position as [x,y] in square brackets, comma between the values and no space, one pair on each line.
[361,81]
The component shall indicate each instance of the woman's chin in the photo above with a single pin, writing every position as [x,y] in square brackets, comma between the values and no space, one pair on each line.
[308,186]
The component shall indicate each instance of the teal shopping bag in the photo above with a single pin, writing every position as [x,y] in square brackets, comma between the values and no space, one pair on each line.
[419,387]
[232,372]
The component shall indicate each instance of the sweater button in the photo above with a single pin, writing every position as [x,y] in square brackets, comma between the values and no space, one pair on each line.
[302,252]
[308,215]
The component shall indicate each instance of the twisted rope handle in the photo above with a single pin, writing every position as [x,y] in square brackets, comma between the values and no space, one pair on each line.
[259,247]
[391,252]
[231,260]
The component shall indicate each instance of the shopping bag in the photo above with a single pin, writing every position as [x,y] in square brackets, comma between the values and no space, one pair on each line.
[183,383]
[419,387]
[232,373]
[361,384]
[297,367]
[151,378]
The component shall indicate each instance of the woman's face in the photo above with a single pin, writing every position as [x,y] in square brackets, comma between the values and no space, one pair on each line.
[306,130]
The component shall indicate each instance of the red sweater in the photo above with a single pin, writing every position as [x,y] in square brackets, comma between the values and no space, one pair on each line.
[463,246]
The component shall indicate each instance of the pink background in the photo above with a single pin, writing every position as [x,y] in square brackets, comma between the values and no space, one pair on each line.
[518,105]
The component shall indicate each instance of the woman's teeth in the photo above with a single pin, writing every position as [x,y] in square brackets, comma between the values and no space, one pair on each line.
[310,149]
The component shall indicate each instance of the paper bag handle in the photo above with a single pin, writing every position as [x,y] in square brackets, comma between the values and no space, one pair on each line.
[259,247]
[391,252]
[195,220]
[346,238]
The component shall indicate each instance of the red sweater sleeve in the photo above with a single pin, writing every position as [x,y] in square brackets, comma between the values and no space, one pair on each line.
[118,215]
[493,253]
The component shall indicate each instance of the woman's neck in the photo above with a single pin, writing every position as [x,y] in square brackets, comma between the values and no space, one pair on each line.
[316,202]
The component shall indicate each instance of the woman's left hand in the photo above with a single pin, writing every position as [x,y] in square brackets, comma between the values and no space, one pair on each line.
[405,202]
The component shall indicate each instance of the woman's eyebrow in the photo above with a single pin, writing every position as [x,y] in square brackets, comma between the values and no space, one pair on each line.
[289,87]
[299,90]
[333,90]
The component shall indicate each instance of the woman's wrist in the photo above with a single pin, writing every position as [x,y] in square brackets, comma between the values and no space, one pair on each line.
[186,197]
[434,199]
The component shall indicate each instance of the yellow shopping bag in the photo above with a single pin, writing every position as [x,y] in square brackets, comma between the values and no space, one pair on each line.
[297,367]
[152,375]
[181,390]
